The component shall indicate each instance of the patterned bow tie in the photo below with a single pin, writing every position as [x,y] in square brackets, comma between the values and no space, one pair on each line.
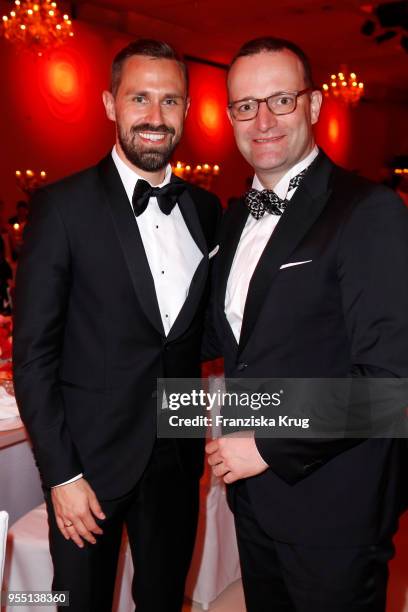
[167,196]
[260,202]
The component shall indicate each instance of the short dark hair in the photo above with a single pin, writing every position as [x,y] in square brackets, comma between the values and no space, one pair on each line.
[272,44]
[147,47]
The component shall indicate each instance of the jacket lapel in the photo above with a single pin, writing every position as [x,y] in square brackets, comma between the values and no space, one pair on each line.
[190,216]
[304,209]
[196,289]
[130,241]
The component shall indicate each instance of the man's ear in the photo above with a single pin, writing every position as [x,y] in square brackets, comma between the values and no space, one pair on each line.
[188,102]
[109,104]
[229,115]
[315,105]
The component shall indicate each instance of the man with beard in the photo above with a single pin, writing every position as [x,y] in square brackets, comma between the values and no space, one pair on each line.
[121,253]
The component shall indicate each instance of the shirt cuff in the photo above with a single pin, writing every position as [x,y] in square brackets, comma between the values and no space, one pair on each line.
[68,481]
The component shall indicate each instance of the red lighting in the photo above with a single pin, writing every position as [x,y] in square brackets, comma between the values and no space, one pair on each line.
[207,133]
[63,80]
[333,130]
[210,115]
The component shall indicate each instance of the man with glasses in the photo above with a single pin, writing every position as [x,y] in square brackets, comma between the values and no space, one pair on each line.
[111,293]
[310,282]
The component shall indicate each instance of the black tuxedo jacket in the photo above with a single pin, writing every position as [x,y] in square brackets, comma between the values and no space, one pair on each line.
[345,313]
[88,338]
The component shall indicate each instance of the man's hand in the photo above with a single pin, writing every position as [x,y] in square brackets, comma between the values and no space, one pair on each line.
[75,506]
[235,456]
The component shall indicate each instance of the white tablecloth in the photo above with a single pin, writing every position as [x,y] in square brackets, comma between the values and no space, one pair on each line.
[3,536]
[215,562]
[20,487]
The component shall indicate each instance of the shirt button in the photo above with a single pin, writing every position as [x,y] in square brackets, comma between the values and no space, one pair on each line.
[162,271]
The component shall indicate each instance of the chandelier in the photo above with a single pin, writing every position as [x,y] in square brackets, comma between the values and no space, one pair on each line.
[344,86]
[37,26]
[28,181]
[201,174]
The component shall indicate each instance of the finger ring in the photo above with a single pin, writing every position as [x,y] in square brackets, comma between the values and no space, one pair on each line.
[69,524]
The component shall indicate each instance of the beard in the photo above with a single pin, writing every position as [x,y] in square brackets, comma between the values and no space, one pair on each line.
[148,158]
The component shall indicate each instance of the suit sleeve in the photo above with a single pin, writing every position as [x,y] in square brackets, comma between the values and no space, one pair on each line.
[373,278]
[42,293]
[373,275]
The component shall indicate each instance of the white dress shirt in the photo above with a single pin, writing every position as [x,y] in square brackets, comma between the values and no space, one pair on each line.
[171,252]
[254,238]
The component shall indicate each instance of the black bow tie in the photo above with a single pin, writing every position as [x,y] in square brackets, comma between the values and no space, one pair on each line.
[167,196]
[260,202]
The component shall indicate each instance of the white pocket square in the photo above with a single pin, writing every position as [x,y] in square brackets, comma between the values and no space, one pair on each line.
[214,251]
[295,263]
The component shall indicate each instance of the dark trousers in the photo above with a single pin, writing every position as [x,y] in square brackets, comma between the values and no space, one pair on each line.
[287,577]
[160,514]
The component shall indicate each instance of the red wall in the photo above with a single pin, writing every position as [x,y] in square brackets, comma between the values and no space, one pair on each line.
[52,118]
[363,138]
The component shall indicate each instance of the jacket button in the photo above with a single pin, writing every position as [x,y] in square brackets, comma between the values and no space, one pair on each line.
[241,366]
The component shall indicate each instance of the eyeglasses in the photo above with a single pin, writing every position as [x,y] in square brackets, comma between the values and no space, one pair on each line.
[282,103]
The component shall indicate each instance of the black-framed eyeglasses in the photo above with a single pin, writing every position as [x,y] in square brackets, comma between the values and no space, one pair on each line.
[282,103]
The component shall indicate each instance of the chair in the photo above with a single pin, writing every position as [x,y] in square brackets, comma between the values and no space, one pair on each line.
[3,539]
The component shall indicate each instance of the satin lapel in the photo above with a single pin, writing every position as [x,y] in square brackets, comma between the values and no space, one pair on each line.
[302,212]
[190,216]
[189,308]
[130,241]
[232,226]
